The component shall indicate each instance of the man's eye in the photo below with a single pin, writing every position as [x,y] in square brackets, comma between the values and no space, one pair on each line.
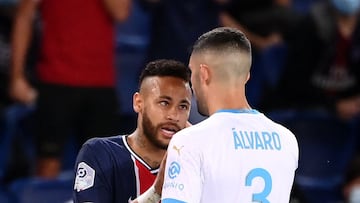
[164,103]
[184,107]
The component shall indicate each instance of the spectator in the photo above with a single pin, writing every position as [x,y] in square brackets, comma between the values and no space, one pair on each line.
[132,39]
[268,25]
[176,24]
[322,68]
[75,72]
[266,22]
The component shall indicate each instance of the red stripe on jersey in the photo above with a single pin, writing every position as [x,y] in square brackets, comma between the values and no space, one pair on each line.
[146,178]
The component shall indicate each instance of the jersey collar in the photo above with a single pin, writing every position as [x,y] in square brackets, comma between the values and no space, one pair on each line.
[252,111]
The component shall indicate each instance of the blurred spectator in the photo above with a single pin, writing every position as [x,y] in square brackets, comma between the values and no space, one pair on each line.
[322,74]
[322,69]
[176,24]
[14,159]
[266,22]
[75,72]
[268,25]
[132,41]
[6,16]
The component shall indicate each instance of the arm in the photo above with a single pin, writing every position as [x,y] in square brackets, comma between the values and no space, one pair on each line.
[258,41]
[91,182]
[183,176]
[20,90]
[118,9]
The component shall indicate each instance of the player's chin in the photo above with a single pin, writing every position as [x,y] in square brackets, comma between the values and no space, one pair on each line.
[163,144]
[164,140]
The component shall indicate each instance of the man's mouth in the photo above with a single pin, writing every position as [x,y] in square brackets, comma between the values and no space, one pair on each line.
[169,131]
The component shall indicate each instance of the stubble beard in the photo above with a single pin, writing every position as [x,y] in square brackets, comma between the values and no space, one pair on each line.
[201,108]
[150,132]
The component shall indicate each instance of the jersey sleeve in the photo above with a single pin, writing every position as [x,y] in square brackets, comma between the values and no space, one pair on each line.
[92,181]
[183,177]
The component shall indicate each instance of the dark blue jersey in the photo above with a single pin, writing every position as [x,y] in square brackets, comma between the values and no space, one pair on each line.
[107,170]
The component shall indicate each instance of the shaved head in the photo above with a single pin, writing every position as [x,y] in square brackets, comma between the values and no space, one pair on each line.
[220,63]
[227,51]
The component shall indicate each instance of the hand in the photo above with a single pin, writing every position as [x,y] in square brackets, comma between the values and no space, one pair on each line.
[348,108]
[268,41]
[188,124]
[21,91]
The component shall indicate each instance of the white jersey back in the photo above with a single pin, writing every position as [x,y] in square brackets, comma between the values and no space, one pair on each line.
[233,156]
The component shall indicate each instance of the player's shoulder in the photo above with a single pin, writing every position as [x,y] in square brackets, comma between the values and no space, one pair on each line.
[99,145]
[101,141]
[103,150]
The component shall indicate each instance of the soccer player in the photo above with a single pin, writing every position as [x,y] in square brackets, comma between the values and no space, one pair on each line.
[119,168]
[237,154]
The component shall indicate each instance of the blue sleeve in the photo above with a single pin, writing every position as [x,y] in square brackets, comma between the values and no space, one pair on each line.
[169,200]
[93,174]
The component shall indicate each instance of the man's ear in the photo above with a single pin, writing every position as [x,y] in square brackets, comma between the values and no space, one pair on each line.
[137,102]
[205,75]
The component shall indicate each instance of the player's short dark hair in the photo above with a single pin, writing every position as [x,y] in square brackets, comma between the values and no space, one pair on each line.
[222,38]
[165,67]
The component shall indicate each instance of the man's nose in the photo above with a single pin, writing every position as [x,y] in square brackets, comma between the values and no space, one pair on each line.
[173,115]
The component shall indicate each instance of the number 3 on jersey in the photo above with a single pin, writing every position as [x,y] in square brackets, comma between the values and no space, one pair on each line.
[265,175]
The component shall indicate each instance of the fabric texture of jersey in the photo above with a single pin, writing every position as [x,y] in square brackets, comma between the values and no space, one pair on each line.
[233,156]
[77,46]
[107,170]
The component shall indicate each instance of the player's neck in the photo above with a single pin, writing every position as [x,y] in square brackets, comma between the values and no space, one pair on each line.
[152,158]
[151,154]
[235,102]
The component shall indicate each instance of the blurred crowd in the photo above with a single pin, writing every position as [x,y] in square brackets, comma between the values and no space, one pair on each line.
[68,71]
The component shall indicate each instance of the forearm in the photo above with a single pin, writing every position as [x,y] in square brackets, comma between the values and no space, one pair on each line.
[149,196]
[21,36]
[228,21]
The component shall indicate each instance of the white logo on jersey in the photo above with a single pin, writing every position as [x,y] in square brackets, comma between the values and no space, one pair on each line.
[85,176]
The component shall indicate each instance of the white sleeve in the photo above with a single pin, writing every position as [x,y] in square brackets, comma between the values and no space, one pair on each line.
[183,177]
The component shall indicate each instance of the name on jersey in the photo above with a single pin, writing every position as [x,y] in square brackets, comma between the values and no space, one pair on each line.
[256,140]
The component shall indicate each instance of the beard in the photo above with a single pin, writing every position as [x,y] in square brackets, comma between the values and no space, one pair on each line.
[201,108]
[150,132]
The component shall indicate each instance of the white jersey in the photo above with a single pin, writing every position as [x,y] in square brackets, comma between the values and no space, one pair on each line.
[233,156]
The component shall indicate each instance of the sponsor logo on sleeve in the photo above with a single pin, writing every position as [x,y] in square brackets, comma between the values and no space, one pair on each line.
[174,170]
[85,177]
